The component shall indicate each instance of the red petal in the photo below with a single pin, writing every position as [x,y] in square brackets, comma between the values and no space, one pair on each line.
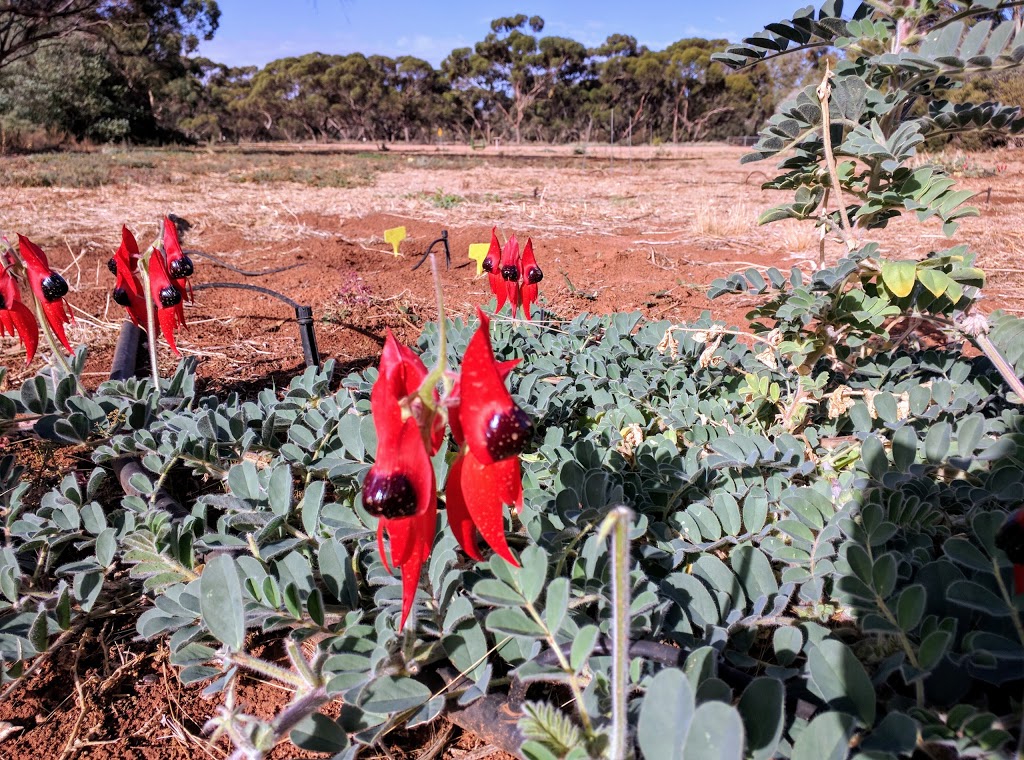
[137,310]
[510,256]
[458,513]
[512,289]
[168,323]
[34,258]
[485,488]
[130,247]
[380,546]
[56,312]
[410,582]
[387,414]
[28,329]
[498,289]
[171,244]
[528,290]
[405,454]
[416,536]
[493,256]
[57,317]
[1018,579]
[483,392]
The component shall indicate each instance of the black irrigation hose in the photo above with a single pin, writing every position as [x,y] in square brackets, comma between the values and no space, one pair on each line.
[447,252]
[124,366]
[303,316]
[244,272]
[493,717]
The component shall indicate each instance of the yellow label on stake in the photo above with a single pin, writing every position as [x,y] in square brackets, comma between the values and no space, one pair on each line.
[395,236]
[478,252]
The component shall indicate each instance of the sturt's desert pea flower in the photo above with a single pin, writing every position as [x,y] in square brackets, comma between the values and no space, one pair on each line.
[168,298]
[491,432]
[513,276]
[400,489]
[16,319]
[1010,538]
[409,416]
[128,287]
[48,287]
[179,266]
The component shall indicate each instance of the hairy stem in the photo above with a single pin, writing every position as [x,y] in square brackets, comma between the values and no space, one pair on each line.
[436,375]
[824,91]
[617,523]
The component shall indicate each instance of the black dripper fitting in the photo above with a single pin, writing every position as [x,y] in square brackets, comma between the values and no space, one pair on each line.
[303,316]
[443,240]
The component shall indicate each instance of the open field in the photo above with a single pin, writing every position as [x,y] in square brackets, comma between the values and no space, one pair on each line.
[644,228]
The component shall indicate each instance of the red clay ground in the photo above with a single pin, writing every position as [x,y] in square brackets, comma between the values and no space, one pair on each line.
[647,234]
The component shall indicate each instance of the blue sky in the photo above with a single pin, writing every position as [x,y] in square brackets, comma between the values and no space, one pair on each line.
[253,32]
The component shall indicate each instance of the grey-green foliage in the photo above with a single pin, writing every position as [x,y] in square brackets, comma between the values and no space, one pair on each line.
[741,529]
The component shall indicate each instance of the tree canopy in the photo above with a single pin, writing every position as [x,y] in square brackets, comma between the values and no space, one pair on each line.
[127,70]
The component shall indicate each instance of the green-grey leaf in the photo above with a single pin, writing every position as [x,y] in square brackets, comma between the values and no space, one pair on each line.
[220,601]
[827,737]
[763,708]
[838,677]
[665,716]
[716,733]
[391,694]
[318,733]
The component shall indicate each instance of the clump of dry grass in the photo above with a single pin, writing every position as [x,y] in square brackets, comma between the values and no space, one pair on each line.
[723,220]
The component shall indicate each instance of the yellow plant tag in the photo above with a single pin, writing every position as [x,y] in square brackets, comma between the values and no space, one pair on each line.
[478,252]
[395,236]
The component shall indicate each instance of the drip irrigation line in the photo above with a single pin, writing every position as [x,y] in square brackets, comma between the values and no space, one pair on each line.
[246,286]
[447,252]
[244,272]
[303,316]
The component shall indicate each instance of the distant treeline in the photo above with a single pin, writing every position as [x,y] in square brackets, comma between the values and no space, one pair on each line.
[126,72]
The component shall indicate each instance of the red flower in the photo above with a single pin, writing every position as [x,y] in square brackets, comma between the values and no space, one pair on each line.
[492,265]
[1010,538]
[16,319]
[513,278]
[511,272]
[168,297]
[532,275]
[49,288]
[400,489]
[179,266]
[128,288]
[491,432]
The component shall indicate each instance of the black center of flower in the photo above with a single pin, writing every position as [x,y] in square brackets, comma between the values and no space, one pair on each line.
[54,287]
[507,432]
[181,268]
[1010,539]
[389,496]
[170,296]
[488,265]
[534,275]
[112,265]
[510,272]
[120,296]
[3,303]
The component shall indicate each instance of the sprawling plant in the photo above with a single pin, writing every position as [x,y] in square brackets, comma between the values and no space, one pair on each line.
[794,541]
